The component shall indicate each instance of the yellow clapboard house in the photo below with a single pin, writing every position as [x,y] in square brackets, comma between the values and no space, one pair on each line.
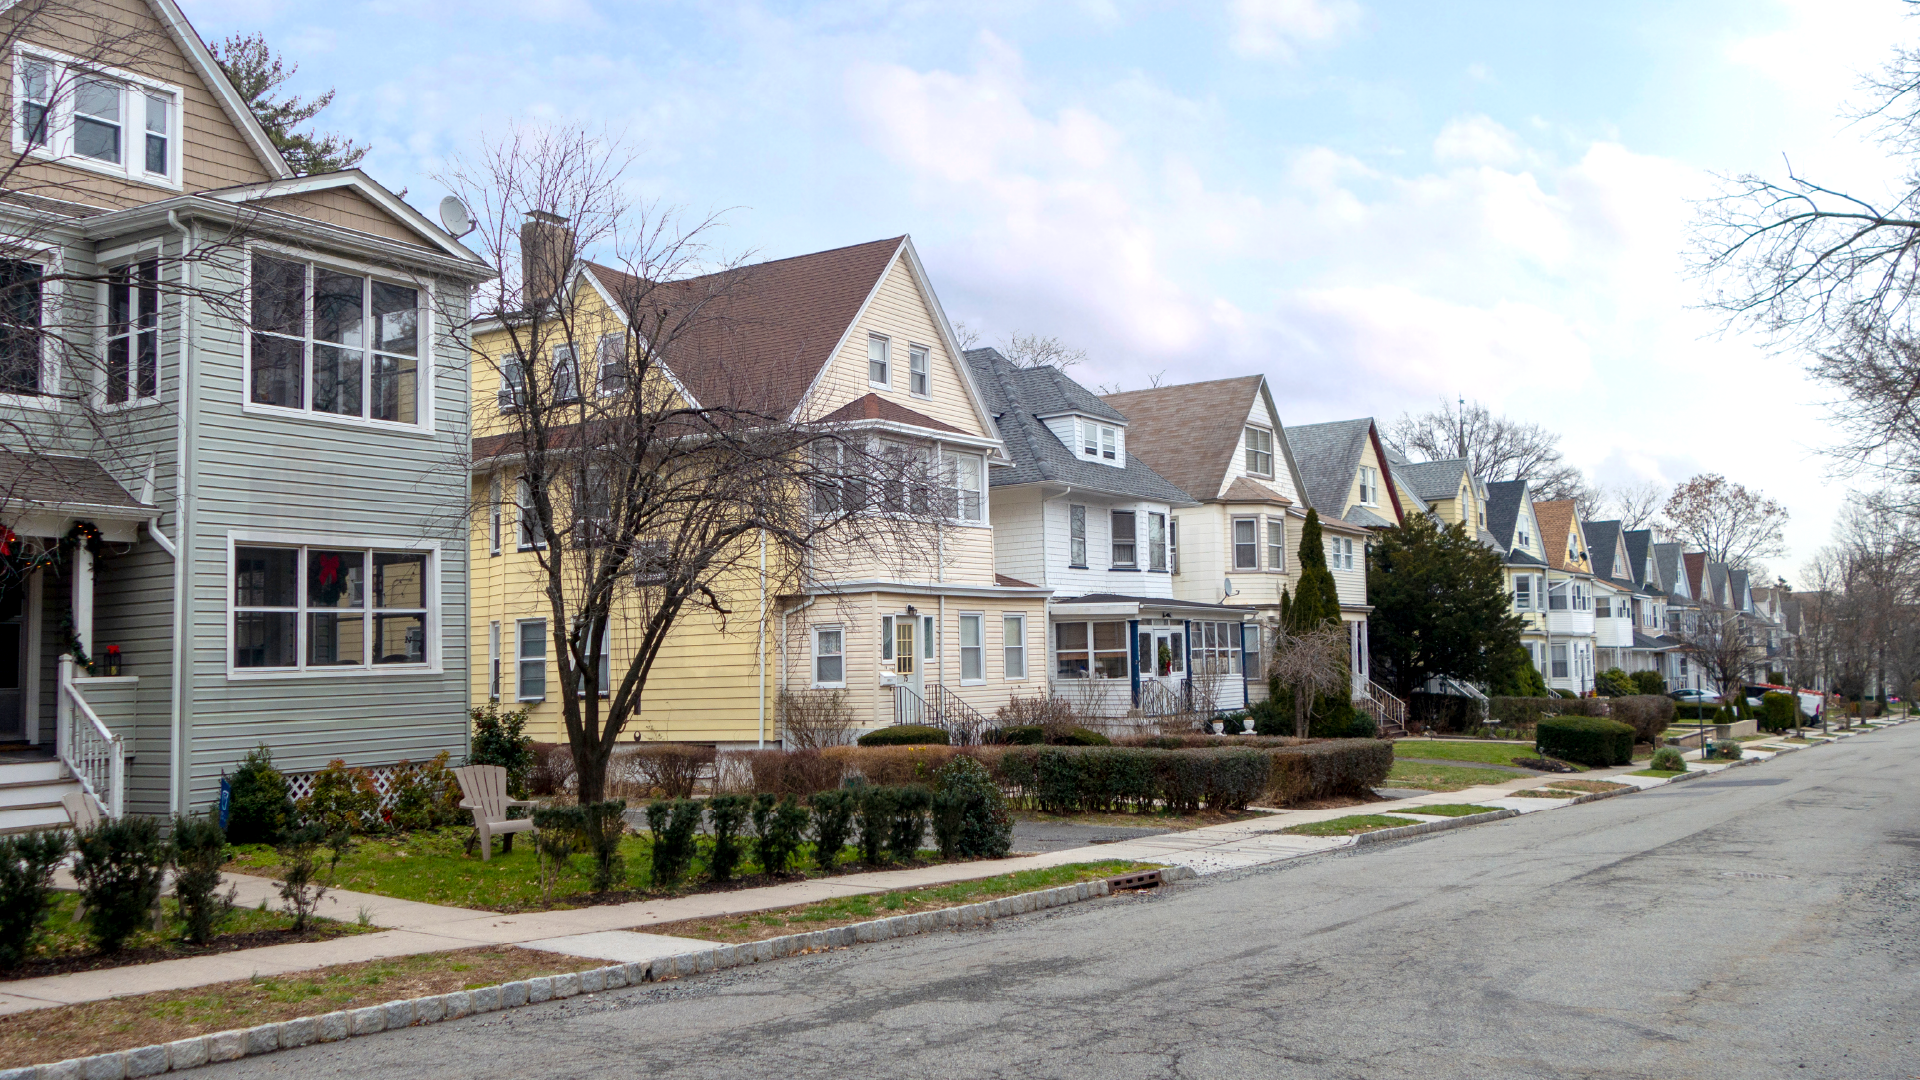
[854,336]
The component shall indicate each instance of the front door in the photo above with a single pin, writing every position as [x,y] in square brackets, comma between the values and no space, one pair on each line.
[1166,658]
[906,653]
[13,663]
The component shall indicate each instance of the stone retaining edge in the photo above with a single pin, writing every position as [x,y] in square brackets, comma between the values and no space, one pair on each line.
[332,1027]
[1421,828]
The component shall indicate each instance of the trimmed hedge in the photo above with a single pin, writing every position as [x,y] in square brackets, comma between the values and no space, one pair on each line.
[1647,714]
[1526,711]
[1778,711]
[906,735]
[1589,740]
[1181,772]
[1035,735]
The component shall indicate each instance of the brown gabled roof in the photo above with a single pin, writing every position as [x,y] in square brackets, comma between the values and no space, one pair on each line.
[875,407]
[1556,521]
[1189,433]
[1006,582]
[1696,563]
[763,337]
[1244,490]
[53,481]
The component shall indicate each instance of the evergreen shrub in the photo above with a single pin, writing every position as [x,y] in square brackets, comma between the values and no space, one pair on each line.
[1667,759]
[1778,711]
[199,849]
[832,824]
[970,819]
[1648,682]
[726,814]
[27,862]
[1588,740]
[500,738]
[1613,683]
[260,810]
[119,865]
[906,735]
[673,826]
[779,827]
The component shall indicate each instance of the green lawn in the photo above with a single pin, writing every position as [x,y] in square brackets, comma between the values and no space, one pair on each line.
[1453,810]
[1347,826]
[1661,773]
[1487,753]
[1410,774]
[59,938]
[851,909]
[432,866]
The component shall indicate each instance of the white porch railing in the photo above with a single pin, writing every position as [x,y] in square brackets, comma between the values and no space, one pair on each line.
[91,752]
[1389,713]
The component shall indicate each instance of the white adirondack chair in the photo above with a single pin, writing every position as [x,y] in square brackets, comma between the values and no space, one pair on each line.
[485,791]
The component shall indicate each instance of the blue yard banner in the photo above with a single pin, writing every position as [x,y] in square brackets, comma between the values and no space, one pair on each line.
[226,799]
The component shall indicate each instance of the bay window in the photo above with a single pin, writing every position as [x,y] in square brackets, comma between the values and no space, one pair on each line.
[1125,551]
[1276,543]
[1523,592]
[966,477]
[1246,545]
[1156,541]
[324,341]
[326,607]
[829,657]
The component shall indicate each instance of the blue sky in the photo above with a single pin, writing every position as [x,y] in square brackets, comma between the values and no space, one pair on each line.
[1378,205]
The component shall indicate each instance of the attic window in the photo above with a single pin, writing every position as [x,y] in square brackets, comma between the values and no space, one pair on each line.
[1259,451]
[96,119]
[1099,442]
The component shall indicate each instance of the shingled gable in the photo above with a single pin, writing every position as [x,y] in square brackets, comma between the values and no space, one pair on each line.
[1607,550]
[1556,524]
[1181,431]
[1330,456]
[766,338]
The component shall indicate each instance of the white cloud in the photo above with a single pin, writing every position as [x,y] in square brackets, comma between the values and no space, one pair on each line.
[1476,140]
[1278,28]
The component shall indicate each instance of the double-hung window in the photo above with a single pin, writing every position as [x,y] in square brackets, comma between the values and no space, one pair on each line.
[879,361]
[919,371]
[972,649]
[1013,642]
[1125,550]
[315,607]
[133,332]
[530,659]
[494,513]
[829,657]
[1276,543]
[1559,661]
[513,384]
[1246,544]
[21,356]
[1523,592]
[566,375]
[325,341]
[96,119]
[1156,541]
[1259,444]
[966,483]
[493,660]
[1369,486]
[526,517]
[1077,536]
[611,354]
[1173,544]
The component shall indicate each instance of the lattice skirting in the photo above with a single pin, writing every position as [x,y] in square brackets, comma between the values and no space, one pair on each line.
[300,785]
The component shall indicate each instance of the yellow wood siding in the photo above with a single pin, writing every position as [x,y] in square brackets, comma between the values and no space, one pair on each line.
[899,313]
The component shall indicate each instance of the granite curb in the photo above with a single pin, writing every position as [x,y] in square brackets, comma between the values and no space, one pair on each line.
[1401,832]
[373,1019]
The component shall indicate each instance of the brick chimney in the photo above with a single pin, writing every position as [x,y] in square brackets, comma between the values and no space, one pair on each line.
[546,253]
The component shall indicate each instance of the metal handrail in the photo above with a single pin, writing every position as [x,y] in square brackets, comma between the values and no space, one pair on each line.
[1388,712]
[92,752]
[947,711]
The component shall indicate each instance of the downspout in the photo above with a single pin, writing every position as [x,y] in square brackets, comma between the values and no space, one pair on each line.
[760,654]
[183,479]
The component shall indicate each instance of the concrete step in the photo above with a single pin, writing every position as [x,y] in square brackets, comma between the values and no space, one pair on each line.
[24,819]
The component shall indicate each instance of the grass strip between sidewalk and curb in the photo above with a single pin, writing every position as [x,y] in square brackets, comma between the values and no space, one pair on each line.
[1588,787]
[846,910]
[1451,810]
[1409,774]
[1542,793]
[98,1027]
[1660,774]
[1351,825]
[1470,751]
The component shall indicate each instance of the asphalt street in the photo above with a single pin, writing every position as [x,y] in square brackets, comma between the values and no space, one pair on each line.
[1761,923]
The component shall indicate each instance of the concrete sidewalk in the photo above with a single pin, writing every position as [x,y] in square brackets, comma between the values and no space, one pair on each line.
[617,932]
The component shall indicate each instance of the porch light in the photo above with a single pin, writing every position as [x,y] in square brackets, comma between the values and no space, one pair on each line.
[910,610]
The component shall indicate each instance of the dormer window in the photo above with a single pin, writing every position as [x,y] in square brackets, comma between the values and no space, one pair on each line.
[1369,486]
[1099,442]
[96,119]
[1259,443]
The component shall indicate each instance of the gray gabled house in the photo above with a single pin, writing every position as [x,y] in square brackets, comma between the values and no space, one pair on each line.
[233,501]
[1081,514]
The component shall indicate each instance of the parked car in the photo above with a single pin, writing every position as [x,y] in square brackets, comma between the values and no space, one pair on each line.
[1694,697]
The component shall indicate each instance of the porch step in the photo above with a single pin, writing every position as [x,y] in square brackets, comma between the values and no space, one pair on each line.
[22,796]
[49,771]
[27,818]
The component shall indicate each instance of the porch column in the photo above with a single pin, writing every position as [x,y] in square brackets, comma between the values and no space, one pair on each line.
[83,598]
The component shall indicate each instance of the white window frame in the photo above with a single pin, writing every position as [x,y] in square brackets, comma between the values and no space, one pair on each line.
[977,651]
[520,658]
[610,353]
[1233,543]
[1253,453]
[1077,536]
[1013,645]
[1157,542]
[919,371]
[423,423]
[493,660]
[435,623]
[1173,544]
[566,375]
[884,360]
[1114,542]
[1276,544]
[59,145]
[963,513]
[495,513]
[49,396]
[816,654]
[102,387]
[509,395]
[525,537]
[1369,486]
[1523,592]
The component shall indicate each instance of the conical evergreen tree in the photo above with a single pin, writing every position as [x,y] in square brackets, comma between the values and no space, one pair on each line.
[1316,601]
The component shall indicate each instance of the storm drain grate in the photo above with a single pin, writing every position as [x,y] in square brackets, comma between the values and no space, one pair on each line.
[1755,875]
[1145,879]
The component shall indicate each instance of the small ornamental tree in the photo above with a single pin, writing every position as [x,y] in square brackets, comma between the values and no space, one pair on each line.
[1440,607]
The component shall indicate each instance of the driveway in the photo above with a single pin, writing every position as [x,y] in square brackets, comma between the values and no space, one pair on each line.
[1760,923]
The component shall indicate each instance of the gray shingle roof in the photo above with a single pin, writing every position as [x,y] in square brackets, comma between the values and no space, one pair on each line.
[1360,515]
[1666,560]
[1018,397]
[1329,457]
[1430,479]
[1638,540]
[1504,500]
[77,483]
[1521,558]
[1603,541]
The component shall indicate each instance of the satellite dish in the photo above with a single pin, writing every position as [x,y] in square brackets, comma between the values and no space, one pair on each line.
[453,214]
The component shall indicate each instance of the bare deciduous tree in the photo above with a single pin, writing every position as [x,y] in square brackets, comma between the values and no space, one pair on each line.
[1500,448]
[1634,506]
[1310,663]
[655,481]
[1731,524]
[1717,639]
